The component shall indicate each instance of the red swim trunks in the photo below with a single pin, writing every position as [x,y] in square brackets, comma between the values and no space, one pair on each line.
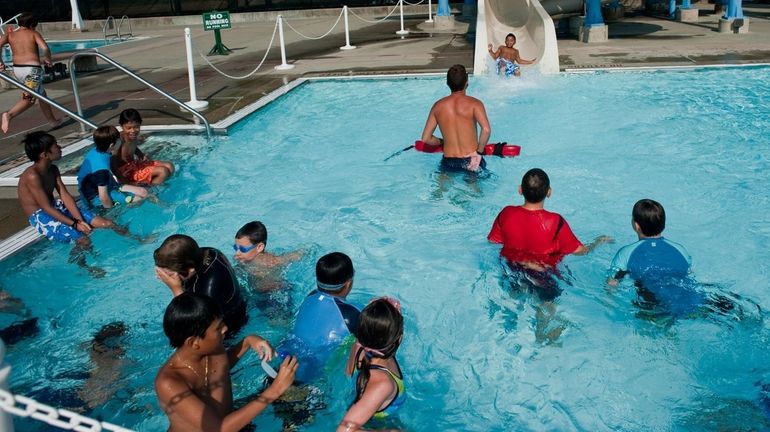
[138,171]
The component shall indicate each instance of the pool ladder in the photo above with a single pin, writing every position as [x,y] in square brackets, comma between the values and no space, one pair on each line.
[79,116]
[110,25]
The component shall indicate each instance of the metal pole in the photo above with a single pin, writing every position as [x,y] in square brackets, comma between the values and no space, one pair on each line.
[53,103]
[193,103]
[347,46]
[401,8]
[430,12]
[283,65]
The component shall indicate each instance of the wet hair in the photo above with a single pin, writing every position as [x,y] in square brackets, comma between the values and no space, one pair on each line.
[380,328]
[189,315]
[457,78]
[178,253]
[109,339]
[255,231]
[511,35]
[333,270]
[535,185]
[104,137]
[130,115]
[28,20]
[650,216]
[37,143]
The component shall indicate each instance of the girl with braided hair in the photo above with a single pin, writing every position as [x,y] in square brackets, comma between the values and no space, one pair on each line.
[379,384]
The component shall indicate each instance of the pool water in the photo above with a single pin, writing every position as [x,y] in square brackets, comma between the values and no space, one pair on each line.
[476,355]
[64,46]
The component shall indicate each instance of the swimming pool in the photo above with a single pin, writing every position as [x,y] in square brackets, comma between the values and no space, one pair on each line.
[310,165]
[64,46]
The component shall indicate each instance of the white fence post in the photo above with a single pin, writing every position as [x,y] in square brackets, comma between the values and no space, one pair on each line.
[347,46]
[6,423]
[283,65]
[430,12]
[401,7]
[193,103]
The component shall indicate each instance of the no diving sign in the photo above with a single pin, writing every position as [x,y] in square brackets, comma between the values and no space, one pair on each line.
[216,20]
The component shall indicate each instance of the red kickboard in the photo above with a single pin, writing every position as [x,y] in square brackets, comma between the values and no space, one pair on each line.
[502,149]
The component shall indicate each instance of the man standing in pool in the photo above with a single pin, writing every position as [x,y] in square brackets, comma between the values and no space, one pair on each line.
[457,116]
[25,42]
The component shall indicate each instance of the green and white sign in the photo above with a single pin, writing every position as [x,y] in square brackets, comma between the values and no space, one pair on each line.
[216,20]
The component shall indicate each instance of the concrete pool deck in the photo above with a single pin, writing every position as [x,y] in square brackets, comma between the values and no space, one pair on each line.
[160,58]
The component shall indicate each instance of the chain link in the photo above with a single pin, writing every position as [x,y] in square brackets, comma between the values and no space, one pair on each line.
[269,45]
[317,37]
[25,407]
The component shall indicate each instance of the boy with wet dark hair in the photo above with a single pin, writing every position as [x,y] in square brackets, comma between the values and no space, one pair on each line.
[325,319]
[457,78]
[652,258]
[507,57]
[249,247]
[535,240]
[130,163]
[194,387]
[97,185]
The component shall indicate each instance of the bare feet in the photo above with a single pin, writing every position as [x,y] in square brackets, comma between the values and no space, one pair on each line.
[55,124]
[6,122]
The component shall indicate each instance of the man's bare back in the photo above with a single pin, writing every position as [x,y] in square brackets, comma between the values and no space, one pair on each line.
[457,116]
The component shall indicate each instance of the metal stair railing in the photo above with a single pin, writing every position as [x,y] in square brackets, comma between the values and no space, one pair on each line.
[106,26]
[130,30]
[15,19]
[76,93]
[53,103]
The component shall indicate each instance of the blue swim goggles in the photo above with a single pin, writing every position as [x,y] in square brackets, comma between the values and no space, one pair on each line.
[243,249]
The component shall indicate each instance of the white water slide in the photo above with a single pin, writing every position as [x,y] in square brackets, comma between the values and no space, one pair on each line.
[530,21]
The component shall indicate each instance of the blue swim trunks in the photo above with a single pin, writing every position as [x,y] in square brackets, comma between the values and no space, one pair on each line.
[118,197]
[510,67]
[55,230]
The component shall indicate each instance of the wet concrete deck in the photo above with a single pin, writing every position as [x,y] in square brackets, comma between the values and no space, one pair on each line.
[158,55]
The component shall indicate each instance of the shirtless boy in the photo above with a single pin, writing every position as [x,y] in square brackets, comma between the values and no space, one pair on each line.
[507,57]
[249,246]
[457,116]
[194,387]
[25,42]
[131,164]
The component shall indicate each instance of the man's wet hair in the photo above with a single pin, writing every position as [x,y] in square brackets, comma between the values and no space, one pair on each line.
[189,315]
[130,115]
[333,270]
[28,20]
[104,137]
[178,253]
[37,143]
[511,35]
[457,78]
[535,185]
[650,217]
[255,231]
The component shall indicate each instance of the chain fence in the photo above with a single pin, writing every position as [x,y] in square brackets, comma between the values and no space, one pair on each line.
[375,21]
[267,51]
[25,407]
[339,17]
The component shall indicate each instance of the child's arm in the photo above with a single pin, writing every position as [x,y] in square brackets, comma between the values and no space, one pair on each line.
[256,343]
[494,54]
[378,389]
[69,204]
[177,399]
[520,60]
[582,250]
[104,196]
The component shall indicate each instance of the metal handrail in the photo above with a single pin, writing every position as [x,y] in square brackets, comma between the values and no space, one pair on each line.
[132,75]
[106,25]
[130,30]
[79,118]
[5,23]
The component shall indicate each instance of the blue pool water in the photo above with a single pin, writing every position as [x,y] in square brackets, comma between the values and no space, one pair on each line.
[310,166]
[64,46]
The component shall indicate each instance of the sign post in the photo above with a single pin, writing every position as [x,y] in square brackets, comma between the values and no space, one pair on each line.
[216,21]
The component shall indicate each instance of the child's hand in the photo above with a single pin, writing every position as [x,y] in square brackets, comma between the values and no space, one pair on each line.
[285,376]
[261,347]
[83,227]
[170,278]
[489,47]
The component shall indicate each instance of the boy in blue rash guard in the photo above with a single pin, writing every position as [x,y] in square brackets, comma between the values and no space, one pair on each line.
[325,320]
[96,183]
[660,267]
